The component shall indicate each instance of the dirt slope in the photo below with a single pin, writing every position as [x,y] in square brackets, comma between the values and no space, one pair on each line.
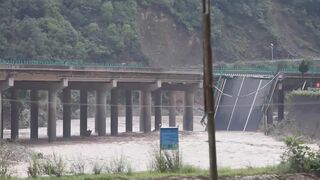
[294,37]
[167,43]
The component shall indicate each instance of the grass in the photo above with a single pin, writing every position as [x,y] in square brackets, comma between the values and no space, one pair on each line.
[187,171]
[251,171]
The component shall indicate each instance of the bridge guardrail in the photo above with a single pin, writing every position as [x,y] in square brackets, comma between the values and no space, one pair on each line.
[67,63]
[268,71]
[218,70]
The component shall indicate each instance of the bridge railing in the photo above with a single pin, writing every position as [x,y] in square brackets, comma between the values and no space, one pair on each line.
[67,63]
[243,70]
[262,70]
[268,70]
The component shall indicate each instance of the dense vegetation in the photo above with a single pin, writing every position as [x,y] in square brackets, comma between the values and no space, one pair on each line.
[95,30]
[299,157]
[105,30]
[303,95]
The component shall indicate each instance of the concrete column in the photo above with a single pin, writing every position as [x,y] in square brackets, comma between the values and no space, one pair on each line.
[66,100]
[270,115]
[188,111]
[145,111]
[101,111]
[96,123]
[114,112]
[52,113]
[34,114]
[157,109]
[14,114]
[83,112]
[128,111]
[172,109]
[280,103]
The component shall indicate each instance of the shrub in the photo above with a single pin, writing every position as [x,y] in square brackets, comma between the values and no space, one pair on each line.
[166,161]
[6,159]
[4,168]
[97,168]
[34,169]
[299,157]
[303,99]
[294,95]
[11,154]
[78,166]
[53,165]
[119,165]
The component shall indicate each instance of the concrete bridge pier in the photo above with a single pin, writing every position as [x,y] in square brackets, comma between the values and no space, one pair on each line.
[34,112]
[101,111]
[157,109]
[66,100]
[114,112]
[280,102]
[96,124]
[14,114]
[83,112]
[52,113]
[3,86]
[188,110]
[145,111]
[270,115]
[128,94]
[172,109]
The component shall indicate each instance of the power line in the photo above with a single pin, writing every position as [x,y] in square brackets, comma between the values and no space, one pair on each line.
[163,106]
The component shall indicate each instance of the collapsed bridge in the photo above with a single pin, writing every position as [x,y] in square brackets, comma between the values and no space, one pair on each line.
[240,102]
[241,98]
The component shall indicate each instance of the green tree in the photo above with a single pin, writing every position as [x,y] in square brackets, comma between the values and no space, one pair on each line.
[303,67]
[107,11]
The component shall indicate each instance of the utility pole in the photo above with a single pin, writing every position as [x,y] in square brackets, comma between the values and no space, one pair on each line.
[208,89]
[271,46]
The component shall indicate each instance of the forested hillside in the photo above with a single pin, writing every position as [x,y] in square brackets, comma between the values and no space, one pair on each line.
[91,30]
[156,32]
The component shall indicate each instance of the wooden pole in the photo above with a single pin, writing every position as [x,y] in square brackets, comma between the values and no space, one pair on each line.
[208,88]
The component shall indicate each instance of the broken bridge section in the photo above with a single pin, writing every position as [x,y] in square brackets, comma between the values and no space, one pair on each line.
[239,102]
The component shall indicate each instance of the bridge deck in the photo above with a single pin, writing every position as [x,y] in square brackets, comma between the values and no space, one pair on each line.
[240,107]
